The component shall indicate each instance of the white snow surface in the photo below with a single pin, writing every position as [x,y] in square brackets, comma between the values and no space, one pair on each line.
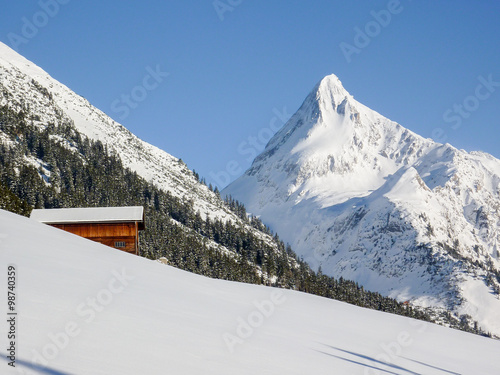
[24,86]
[129,315]
[88,214]
[368,200]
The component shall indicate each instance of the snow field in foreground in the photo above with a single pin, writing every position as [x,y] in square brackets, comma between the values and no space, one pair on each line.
[84,308]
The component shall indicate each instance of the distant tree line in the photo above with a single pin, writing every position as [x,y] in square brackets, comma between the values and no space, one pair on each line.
[55,166]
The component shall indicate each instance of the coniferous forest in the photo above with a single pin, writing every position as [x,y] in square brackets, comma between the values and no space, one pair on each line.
[72,171]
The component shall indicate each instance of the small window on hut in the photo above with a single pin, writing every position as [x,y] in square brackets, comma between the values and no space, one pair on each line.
[119,243]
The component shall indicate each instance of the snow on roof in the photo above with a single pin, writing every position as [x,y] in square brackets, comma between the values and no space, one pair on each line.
[88,215]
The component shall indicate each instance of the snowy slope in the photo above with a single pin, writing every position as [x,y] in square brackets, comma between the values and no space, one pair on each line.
[127,315]
[23,84]
[368,200]
[27,89]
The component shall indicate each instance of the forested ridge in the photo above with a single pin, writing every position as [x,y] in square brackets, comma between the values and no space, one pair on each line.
[48,166]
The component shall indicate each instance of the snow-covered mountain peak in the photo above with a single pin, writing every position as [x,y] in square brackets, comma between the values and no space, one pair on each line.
[333,143]
[367,199]
[330,91]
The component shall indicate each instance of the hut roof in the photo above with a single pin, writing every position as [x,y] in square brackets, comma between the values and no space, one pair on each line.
[89,215]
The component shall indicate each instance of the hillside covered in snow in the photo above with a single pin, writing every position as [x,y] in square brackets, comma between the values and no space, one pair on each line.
[84,308]
[26,87]
[364,198]
[58,151]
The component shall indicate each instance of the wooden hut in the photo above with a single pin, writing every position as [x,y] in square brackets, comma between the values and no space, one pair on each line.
[117,227]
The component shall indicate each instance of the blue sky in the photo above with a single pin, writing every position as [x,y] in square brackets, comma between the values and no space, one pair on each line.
[237,68]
